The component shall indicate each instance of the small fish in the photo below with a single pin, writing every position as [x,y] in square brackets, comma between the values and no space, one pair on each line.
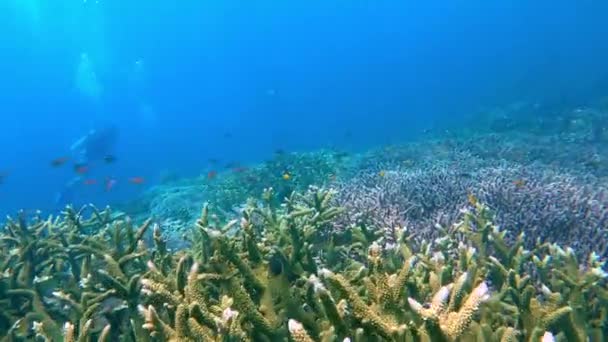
[332,177]
[59,161]
[341,155]
[519,183]
[279,151]
[231,165]
[465,175]
[251,179]
[227,135]
[275,265]
[211,174]
[136,180]
[3,176]
[286,176]
[90,181]
[109,159]
[408,163]
[240,169]
[472,199]
[110,183]
[81,168]
[213,160]
[382,173]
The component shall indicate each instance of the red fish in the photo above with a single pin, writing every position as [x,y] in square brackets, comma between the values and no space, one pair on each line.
[136,180]
[81,169]
[211,174]
[110,183]
[59,161]
[90,181]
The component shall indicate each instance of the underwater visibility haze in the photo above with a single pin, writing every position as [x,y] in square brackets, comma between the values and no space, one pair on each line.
[303,170]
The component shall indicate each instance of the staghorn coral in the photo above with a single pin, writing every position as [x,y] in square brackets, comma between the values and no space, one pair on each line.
[71,270]
[284,272]
[473,276]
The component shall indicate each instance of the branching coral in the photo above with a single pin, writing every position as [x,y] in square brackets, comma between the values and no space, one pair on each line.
[284,272]
[544,204]
[71,270]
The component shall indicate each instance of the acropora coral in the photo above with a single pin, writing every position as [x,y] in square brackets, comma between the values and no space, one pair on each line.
[283,272]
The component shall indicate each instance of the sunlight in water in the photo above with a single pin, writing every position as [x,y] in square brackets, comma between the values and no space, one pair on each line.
[28,12]
[86,78]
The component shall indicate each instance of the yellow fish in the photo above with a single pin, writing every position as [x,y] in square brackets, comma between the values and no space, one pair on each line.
[472,199]
[286,176]
[382,173]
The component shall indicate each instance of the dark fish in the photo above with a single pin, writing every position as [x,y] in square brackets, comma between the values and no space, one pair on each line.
[275,265]
[465,175]
[108,159]
[59,161]
[240,169]
[213,160]
[3,176]
[227,135]
[341,154]
[279,152]
[251,179]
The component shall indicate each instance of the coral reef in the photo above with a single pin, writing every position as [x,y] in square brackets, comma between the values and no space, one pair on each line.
[540,177]
[497,234]
[545,204]
[283,272]
[176,204]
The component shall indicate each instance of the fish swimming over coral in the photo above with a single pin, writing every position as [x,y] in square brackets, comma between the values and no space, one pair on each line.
[89,181]
[59,161]
[137,180]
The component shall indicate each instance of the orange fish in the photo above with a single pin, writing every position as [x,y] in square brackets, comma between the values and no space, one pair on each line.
[90,181]
[59,161]
[211,174]
[136,180]
[519,183]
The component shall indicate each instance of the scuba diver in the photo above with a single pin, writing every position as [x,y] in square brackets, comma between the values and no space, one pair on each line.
[96,146]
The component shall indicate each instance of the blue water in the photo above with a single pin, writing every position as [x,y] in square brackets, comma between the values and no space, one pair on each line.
[189,80]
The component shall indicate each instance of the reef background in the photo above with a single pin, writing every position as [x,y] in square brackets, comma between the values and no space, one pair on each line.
[298,76]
